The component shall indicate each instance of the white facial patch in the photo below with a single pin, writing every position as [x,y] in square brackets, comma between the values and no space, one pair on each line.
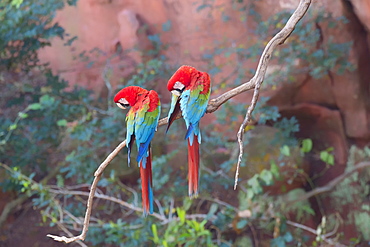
[178,88]
[178,85]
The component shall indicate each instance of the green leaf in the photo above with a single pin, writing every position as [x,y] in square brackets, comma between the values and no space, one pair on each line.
[288,237]
[34,106]
[324,155]
[241,224]
[212,210]
[16,3]
[13,127]
[203,6]
[181,213]
[285,150]
[266,176]
[46,100]
[62,123]
[254,183]
[166,26]
[70,156]
[250,194]
[331,159]
[186,203]
[278,242]
[274,169]
[155,234]
[22,115]
[60,181]
[306,145]
[327,157]
[70,41]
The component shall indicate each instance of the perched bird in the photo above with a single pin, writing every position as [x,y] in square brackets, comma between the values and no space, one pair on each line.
[142,120]
[190,90]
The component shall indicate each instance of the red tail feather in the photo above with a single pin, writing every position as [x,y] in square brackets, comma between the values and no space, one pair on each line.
[146,185]
[193,166]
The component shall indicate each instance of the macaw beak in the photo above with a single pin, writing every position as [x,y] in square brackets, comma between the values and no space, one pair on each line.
[174,101]
[174,110]
[175,93]
[120,106]
[175,98]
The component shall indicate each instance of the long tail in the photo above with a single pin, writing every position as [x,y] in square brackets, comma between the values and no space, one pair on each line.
[193,163]
[146,183]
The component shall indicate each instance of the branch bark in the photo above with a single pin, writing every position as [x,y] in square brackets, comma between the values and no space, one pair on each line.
[213,105]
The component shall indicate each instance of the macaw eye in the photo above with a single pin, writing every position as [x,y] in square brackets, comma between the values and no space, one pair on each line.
[123,103]
[178,88]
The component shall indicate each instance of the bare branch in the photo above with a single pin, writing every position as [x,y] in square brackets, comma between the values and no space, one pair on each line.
[324,237]
[258,78]
[331,185]
[110,157]
[213,105]
[108,198]
[64,229]
[85,228]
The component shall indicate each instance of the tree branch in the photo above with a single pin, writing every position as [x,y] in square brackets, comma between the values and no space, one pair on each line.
[324,237]
[331,185]
[258,78]
[213,105]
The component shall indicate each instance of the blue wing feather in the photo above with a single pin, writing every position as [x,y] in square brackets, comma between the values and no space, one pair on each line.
[145,126]
[143,148]
[192,109]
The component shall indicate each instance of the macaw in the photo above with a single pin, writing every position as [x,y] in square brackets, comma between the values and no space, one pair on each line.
[190,90]
[142,120]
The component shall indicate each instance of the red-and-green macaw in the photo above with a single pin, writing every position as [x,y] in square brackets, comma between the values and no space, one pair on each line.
[190,90]
[142,120]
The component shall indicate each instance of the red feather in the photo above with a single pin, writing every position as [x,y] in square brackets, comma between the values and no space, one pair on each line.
[193,163]
[184,75]
[147,185]
[131,94]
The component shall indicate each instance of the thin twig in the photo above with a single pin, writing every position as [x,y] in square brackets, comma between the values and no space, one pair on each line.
[314,232]
[213,105]
[64,229]
[87,216]
[160,208]
[108,198]
[258,78]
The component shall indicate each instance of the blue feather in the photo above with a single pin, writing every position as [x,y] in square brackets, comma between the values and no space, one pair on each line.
[143,148]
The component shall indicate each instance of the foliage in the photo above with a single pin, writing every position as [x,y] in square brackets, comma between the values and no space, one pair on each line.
[26,27]
[184,232]
[40,126]
[307,48]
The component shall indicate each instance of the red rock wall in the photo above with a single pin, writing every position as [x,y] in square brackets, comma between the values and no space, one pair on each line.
[108,24]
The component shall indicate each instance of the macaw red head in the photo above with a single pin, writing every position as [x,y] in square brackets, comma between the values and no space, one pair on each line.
[128,96]
[181,79]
